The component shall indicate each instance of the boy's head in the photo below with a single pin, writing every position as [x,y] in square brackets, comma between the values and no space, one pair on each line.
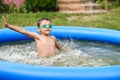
[44,26]
[43,21]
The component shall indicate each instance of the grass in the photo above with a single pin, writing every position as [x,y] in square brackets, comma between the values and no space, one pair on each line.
[110,20]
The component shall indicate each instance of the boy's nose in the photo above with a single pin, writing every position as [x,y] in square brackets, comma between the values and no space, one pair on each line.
[47,26]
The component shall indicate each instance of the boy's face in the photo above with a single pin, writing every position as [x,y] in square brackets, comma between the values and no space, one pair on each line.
[45,27]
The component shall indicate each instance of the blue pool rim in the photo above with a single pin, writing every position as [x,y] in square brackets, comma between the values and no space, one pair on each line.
[15,71]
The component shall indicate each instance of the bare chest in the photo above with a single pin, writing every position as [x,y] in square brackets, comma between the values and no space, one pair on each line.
[46,43]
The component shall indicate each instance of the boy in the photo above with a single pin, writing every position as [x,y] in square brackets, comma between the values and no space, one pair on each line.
[45,43]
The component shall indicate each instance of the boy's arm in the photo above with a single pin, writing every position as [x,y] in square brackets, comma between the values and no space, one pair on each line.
[57,45]
[19,29]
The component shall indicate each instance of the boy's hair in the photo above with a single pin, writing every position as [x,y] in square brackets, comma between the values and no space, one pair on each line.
[40,20]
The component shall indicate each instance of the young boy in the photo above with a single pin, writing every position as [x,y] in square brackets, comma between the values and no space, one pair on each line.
[45,43]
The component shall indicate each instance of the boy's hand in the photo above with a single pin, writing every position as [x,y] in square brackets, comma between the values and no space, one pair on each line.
[5,21]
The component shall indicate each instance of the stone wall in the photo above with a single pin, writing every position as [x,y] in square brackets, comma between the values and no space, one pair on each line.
[79,6]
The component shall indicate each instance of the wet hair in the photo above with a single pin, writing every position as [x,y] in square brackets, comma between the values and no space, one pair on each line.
[40,20]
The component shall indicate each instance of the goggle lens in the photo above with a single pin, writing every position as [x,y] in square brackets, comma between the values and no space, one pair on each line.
[46,26]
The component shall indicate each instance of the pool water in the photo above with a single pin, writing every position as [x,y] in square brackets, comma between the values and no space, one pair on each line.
[75,53]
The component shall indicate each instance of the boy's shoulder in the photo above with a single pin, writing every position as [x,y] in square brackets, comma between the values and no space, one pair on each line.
[53,37]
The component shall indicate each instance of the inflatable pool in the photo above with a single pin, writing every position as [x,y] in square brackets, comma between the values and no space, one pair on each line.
[15,71]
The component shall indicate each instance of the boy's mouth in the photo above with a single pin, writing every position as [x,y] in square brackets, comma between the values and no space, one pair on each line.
[47,30]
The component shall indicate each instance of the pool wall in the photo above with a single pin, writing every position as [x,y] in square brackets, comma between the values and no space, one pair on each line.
[63,32]
[15,71]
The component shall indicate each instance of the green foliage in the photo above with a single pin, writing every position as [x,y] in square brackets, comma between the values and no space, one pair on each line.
[3,7]
[40,5]
[108,4]
[30,6]
[105,4]
[117,3]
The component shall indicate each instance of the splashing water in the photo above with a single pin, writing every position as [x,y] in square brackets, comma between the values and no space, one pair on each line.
[75,53]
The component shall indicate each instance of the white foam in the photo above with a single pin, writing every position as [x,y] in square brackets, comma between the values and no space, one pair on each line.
[26,54]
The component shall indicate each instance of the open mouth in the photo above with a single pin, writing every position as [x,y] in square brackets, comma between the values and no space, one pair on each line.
[47,30]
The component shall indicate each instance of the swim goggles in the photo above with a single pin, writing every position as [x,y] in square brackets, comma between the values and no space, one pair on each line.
[46,26]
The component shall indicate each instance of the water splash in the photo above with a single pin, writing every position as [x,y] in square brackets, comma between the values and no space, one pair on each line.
[75,53]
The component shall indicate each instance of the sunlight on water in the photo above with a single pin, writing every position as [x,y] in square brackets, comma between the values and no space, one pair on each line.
[75,53]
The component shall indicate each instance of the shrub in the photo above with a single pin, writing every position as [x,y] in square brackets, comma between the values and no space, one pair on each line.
[10,5]
[3,7]
[108,4]
[40,5]
[105,4]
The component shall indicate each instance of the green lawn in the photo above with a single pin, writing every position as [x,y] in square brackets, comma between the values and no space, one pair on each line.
[109,20]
